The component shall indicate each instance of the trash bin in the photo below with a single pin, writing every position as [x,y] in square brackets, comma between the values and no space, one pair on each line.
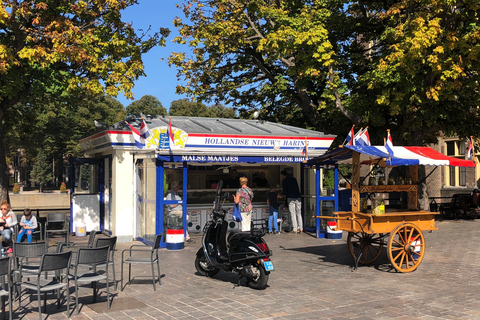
[81,230]
[332,232]
[175,239]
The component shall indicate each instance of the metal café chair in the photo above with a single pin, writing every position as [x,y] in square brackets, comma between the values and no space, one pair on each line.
[91,257]
[57,222]
[74,247]
[111,243]
[6,288]
[27,255]
[59,263]
[37,233]
[135,259]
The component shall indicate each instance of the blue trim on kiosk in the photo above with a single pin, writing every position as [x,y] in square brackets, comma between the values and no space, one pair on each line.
[230,159]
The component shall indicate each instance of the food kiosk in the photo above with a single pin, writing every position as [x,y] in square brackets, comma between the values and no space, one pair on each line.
[196,152]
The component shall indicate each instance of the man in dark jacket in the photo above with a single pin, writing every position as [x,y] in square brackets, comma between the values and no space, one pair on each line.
[292,193]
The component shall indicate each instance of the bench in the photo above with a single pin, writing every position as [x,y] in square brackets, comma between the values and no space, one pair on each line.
[460,205]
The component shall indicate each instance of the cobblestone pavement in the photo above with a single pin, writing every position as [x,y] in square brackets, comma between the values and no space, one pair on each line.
[313,279]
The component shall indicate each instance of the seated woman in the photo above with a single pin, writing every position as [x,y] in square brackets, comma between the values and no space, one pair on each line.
[28,224]
[7,221]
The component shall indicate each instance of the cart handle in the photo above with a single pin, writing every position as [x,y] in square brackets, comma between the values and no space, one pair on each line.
[331,217]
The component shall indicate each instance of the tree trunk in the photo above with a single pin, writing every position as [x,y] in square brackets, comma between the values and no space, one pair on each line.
[3,163]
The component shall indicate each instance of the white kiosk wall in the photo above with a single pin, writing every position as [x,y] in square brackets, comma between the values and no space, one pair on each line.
[123,196]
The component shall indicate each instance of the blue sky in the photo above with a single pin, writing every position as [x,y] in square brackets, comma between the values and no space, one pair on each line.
[160,80]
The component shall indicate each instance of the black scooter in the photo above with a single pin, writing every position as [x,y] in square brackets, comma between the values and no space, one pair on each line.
[243,253]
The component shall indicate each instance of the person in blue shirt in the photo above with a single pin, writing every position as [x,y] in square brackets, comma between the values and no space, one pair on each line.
[28,224]
[292,193]
[272,201]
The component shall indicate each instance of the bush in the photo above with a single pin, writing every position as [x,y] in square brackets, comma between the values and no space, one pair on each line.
[16,188]
[63,187]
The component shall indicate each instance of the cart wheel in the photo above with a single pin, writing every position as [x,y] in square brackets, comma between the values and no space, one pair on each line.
[406,247]
[365,248]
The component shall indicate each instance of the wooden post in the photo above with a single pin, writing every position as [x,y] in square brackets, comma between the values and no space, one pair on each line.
[356,182]
[412,195]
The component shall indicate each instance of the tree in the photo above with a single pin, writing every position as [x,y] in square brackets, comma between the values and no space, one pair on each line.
[58,127]
[411,66]
[187,108]
[42,170]
[147,105]
[58,48]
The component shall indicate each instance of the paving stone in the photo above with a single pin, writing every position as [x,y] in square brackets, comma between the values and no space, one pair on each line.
[313,279]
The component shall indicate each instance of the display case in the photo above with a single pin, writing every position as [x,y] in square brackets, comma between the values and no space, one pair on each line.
[207,196]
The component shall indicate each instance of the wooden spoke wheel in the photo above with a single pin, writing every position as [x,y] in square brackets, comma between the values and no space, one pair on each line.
[406,247]
[365,248]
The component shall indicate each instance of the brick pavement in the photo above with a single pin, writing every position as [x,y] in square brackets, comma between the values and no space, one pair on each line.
[313,280]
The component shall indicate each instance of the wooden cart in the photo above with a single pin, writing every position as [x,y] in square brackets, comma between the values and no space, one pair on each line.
[367,234]
[400,230]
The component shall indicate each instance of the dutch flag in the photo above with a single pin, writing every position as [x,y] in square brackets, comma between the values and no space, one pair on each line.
[363,139]
[470,150]
[139,140]
[144,132]
[171,139]
[350,138]
[389,145]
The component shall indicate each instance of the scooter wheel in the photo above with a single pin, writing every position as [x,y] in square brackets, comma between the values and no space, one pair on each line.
[203,268]
[261,282]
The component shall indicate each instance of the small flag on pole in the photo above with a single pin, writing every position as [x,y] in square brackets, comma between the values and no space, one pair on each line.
[171,138]
[362,138]
[144,132]
[350,138]
[139,140]
[305,149]
[389,145]
[471,150]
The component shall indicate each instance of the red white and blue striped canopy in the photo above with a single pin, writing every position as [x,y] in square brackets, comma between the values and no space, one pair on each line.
[402,156]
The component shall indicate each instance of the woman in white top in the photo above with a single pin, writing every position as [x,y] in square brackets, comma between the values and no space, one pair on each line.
[7,221]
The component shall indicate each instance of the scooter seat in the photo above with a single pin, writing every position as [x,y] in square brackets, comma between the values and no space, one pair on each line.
[238,235]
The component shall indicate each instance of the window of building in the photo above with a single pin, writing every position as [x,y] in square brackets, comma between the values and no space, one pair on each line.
[461,148]
[456,176]
[450,148]
[452,175]
[462,176]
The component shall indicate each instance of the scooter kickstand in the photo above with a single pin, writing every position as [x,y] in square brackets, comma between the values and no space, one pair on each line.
[238,283]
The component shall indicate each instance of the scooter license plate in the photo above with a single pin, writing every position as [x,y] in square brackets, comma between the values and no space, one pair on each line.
[268,265]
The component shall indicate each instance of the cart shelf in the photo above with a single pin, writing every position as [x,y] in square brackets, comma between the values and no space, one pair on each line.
[388,188]
[384,223]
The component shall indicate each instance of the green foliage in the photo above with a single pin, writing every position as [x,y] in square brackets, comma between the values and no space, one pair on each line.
[42,170]
[52,51]
[187,108]
[16,188]
[63,187]
[328,179]
[147,105]
[57,125]
[410,66]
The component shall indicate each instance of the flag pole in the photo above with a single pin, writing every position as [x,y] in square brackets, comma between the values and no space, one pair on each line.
[474,158]
[306,149]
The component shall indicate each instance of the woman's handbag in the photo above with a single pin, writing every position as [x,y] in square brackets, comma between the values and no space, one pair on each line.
[237,215]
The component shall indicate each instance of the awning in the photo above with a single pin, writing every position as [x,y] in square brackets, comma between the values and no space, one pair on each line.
[402,156]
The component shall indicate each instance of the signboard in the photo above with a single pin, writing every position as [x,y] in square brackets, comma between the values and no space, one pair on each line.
[279,148]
